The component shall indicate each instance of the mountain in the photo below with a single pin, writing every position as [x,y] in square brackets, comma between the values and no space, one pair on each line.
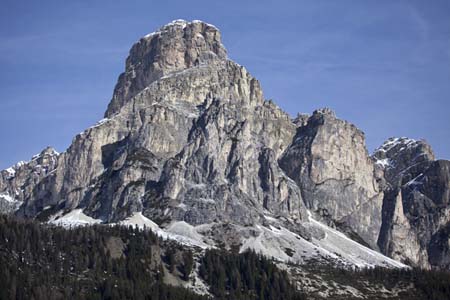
[416,210]
[190,148]
[329,162]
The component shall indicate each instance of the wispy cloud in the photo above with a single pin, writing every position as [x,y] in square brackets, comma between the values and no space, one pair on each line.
[421,23]
[17,42]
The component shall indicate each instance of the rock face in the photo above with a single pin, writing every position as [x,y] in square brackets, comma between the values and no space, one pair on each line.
[175,47]
[329,161]
[18,182]
[188,137]
[416,215]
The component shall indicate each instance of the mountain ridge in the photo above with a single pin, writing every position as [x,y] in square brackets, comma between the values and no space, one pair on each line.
[188,137]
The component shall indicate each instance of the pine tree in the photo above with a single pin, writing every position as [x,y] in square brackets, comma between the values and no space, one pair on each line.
[188,264]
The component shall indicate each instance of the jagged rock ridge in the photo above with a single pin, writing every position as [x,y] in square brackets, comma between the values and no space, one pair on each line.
[189,141]
[416,215]
[329,161]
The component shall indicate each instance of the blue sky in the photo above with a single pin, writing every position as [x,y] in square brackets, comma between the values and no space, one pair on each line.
[383,65]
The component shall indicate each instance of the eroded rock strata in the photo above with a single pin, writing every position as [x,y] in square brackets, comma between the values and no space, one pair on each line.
[188,137]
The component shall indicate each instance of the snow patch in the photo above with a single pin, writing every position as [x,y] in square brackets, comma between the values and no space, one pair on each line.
[415,181]
[287,246]
[178,22]
[351,251]
[269,218]
[184,229]
[75,218]
[276,244]
[181,231]
[139,220]
[200,21]
[53,152]
[273,241]
[151,34]
[101,122]
[7,197]
[10,173]
[386,162]
[20,164]
[98,124]
[182,206]
[393,142]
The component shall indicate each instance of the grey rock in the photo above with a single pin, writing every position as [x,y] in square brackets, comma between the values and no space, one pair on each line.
[177,46]
[18,182]
[188,136]
[329,161]
[415,211]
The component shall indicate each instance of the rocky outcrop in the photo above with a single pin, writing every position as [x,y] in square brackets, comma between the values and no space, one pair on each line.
[416,214]
[177,46]
[329,161]
[188,138]
[17,183]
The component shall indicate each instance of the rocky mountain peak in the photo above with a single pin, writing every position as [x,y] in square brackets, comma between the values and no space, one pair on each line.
[301,119]
[16,182]
[320,162]
[176,46]
[190,145]
[44,158]
[399,146]
[415,202]
[325,111]
[48,151]
[401,155]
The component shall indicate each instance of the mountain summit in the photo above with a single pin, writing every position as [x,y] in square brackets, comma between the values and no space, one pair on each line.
[176,46]
[190,148]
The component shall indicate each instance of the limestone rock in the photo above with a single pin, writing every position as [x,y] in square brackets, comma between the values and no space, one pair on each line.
[416,214]
[189,139]
[329,161]
[177,46]
[17,183]
[187,136]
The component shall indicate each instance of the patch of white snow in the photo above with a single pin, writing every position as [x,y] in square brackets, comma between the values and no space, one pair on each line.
[351,251]
[139,220]
[286,246]
[75,218]
[386,162]
[10,173]
[7,197]
[415,181]
[183,233]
